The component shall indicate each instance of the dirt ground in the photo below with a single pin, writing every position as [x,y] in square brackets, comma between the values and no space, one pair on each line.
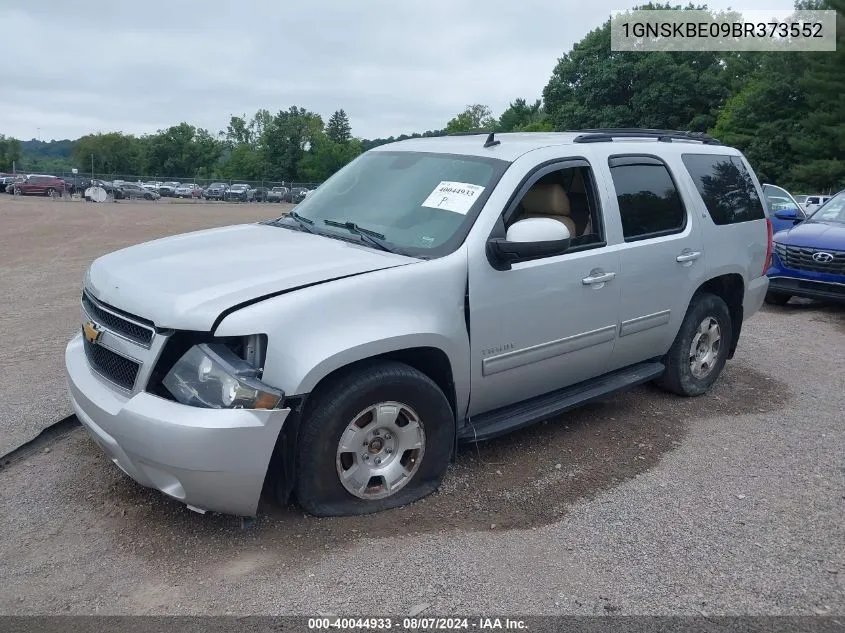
[644,503]
[45,247]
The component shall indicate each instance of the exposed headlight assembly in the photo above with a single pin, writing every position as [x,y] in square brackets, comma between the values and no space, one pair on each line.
[214,377]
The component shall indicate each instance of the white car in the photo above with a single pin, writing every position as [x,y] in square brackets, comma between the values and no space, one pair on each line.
[814,202]
[187,190]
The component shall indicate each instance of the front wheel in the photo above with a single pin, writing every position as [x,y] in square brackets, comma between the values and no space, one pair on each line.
[373,439]
[700,350]
[777,298]
[50,192]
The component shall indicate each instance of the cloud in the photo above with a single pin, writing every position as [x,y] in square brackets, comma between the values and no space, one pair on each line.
[393,66]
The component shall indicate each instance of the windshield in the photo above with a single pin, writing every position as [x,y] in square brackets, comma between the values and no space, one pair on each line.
[217,184]
[832,211]
[422,203]
[238,187]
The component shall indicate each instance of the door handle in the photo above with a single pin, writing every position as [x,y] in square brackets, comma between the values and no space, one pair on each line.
[597,278]
[688,256]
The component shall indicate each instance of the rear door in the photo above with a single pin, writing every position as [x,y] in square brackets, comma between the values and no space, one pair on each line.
[661,258]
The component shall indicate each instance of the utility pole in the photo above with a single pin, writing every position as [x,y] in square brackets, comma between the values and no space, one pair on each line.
[92,166]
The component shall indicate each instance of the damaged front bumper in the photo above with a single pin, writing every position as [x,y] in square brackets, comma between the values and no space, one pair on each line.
[209,459]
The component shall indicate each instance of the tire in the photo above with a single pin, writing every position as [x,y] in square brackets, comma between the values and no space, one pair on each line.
[50,192]
[777,298]
[680,377]
[147,197]
[390,387]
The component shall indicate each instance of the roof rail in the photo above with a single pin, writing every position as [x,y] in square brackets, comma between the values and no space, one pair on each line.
[604,135]
[476,133]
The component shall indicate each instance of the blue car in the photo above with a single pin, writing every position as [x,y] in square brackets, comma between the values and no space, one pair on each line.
[808,259]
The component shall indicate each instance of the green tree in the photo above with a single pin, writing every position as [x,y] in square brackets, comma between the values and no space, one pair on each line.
[113,153]
[10,152]
[592,86]
[338,129]
[286,139]
[238,132]
[521,117]
[326,156]
[476,117]
[181,150]
[789,118]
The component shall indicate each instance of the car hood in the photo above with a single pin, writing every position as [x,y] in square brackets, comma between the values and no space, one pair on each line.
[814,235]
[187,281]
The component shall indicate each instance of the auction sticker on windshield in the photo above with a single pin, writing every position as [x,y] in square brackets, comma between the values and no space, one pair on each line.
[453,196]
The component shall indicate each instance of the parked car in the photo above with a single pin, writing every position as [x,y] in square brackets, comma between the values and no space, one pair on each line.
[784,210]
[259,194]
[577,263]
[152,185]
[168,189]
[277,194]
[8,179]
[187,190]
[76,184]
[811,203]
[216,191]
[111,190]
[134,192]
[809,258]
[240,193]
[39,185]
[297,194]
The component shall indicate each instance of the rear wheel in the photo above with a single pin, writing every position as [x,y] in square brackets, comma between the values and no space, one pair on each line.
[777,298]
[700,350]
[50,192]
[375,439]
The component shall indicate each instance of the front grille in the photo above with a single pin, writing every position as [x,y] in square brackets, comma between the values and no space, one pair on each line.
[801,258]
[113,367]
[112,321]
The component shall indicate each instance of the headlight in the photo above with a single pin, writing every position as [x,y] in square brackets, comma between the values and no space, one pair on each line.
[214,377]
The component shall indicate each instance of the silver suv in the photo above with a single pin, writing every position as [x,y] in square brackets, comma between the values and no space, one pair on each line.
[433,291]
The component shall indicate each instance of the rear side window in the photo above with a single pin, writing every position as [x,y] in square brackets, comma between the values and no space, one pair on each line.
[725,187]
[649,202]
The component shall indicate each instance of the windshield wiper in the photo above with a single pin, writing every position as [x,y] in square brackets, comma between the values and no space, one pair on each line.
[373,238]
[304,223]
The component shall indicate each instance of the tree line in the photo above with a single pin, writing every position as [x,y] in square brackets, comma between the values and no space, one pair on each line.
[782,109]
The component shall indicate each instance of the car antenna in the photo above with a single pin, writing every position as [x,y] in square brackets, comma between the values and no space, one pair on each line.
[491,141]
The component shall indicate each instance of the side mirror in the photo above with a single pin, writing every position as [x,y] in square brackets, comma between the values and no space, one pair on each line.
[787,214]
[532,238]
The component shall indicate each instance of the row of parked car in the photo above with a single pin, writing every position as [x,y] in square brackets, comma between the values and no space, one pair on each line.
[46,185]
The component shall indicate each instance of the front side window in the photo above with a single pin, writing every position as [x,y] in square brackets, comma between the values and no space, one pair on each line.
[649,202]
[725,187]
[422,203]
[568,196]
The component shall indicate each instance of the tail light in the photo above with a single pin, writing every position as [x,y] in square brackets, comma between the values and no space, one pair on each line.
[769,236]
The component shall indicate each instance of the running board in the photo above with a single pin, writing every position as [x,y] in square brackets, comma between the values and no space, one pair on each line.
[516,416]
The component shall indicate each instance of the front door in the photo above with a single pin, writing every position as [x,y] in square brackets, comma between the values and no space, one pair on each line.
[547,323]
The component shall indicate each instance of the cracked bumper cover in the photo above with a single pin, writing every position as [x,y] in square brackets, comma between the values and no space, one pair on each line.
[211,459]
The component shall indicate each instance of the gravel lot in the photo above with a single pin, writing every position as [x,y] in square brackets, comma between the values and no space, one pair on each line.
[45,248]
[732,503]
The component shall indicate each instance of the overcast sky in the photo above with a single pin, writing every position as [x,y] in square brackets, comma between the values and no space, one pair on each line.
[78,66]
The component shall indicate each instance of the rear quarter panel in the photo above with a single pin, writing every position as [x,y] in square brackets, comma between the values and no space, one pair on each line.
[738,248]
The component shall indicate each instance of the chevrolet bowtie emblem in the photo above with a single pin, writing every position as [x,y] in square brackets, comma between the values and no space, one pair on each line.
[91,332]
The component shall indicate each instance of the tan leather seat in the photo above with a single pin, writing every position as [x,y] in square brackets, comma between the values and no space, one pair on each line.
[548,200]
